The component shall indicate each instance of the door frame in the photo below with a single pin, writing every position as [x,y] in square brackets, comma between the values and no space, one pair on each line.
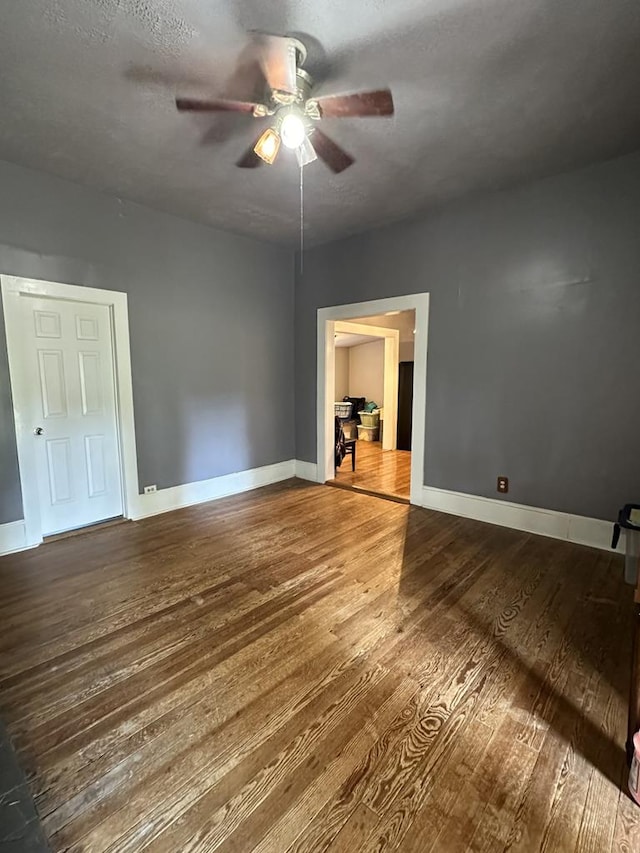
[327,318]
[13,287]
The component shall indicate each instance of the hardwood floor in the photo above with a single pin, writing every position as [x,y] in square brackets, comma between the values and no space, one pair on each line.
[387,472]
[303,668]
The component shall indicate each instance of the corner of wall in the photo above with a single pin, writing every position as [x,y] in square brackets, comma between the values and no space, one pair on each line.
[306,471]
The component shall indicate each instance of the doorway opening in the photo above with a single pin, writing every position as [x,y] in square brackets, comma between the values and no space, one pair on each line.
[374,391]
[371,396]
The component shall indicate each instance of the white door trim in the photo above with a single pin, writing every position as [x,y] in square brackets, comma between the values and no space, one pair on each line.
[391,338]
[12,287]
[327,318]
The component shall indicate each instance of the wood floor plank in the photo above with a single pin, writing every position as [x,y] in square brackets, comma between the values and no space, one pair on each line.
[162,738]
[98,713]
[303,669]
[238,806]
[340,766]
[322,830]
[444,790]
[385,471]
[357,829]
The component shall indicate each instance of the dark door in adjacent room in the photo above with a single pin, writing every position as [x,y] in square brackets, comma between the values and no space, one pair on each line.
[405,404]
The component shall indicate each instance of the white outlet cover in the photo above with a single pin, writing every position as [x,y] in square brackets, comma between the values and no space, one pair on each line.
[148,490]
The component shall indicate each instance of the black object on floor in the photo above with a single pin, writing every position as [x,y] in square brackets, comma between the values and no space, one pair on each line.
[20,827]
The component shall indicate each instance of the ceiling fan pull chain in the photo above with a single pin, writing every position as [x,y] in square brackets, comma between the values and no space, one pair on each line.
[301,219]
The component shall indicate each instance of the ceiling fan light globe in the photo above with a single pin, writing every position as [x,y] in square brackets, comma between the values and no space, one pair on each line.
[292,131]
[305,153]
[268,145]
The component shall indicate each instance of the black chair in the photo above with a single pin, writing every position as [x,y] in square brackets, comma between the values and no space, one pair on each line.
[344,447]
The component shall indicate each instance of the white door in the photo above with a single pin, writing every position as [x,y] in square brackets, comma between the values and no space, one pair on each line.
[68,376]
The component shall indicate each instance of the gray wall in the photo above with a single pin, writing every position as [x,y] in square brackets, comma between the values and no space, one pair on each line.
[534,335]
[210,317]
[534,332]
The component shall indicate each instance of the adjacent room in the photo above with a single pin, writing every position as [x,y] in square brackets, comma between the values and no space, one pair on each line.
[374,376]
[319,482]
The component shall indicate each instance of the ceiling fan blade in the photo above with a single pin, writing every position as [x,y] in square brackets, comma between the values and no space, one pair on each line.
[213,106]
[250,159]
[378,103]
[247,82]
[221,127]
[333,155]
[277,57]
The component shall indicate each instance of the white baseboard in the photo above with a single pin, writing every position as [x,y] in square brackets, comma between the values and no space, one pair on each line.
[176,497]
[13,537]
[546,522]
[306,470]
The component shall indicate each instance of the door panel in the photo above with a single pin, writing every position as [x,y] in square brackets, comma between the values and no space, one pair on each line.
[86,328]
[47,324]
[52,386]
[96,468]
[60,471]
[90,384]
[72,400]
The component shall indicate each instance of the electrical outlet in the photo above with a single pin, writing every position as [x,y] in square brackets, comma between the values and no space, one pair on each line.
[149,490]
[503,485]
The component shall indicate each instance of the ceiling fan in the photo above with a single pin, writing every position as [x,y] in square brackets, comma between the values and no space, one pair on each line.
[282,89]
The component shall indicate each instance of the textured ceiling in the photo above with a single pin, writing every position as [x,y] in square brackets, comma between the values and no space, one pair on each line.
[487,93]
[403,321]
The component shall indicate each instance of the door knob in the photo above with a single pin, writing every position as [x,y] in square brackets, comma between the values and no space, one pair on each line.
[38,431]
